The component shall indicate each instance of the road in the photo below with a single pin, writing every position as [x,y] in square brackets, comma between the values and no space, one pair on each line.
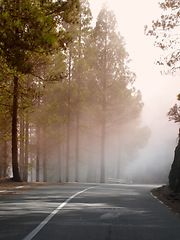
[87,212]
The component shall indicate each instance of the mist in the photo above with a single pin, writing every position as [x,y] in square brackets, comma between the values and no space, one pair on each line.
[89,124]
[122,149]
[154,161]
[141,150]
[159,91]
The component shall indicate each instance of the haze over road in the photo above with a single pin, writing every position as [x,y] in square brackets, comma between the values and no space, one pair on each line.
[87,212]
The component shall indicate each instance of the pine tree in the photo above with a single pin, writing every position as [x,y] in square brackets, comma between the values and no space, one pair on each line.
[82,31]
[117,99]
[28,29]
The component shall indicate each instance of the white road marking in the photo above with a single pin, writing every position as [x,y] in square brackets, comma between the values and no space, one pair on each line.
[46,220]
[158,199]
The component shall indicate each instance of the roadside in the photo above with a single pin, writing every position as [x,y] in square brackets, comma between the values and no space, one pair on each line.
[168,197]
[8,186]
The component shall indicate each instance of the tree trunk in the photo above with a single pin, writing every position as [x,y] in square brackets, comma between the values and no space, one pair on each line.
[90,159]
[31,155]
[68,121]
[37,152]
[104,104]
[26,156]
[103,129]
[44,156]
[78,105]
[77,148]
[5,156]
[103,135]
[67,149]
[15,167]
[118,166]
[59,161]
[22,146]
[1,167]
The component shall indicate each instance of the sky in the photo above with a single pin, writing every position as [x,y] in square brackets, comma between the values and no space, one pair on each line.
[159,92]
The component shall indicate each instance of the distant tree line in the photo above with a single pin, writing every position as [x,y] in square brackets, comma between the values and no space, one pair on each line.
[68,107]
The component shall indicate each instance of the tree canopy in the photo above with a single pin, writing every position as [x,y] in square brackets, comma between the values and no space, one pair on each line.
[166,32]
[32,27]
[67,93]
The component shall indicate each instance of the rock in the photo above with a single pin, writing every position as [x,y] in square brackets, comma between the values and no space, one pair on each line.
[174,175]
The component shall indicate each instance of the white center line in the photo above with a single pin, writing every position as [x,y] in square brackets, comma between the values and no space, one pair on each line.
[48,218]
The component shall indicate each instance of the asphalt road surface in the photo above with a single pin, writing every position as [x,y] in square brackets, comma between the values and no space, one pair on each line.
[87,212]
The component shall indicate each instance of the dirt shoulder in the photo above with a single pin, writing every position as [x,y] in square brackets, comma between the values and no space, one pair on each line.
[168,197]
[8,186]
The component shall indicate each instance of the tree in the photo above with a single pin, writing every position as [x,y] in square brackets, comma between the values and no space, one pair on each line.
[118,101]
[28,29]
[174,113]
[5,115]
[166,32]
[83,30]
[76,72]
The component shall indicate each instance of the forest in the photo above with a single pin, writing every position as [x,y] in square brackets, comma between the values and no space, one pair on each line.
[69,110]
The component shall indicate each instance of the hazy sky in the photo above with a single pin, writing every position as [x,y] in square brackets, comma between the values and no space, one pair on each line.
[158,92]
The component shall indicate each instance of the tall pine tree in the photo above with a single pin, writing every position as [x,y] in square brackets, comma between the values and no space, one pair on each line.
[117,99]
[27,29]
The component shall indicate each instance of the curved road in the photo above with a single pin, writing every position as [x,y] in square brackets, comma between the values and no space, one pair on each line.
[87,212]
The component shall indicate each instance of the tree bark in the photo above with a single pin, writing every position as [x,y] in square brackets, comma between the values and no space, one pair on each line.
[68,120]
[118,170]
[59,161]
[103,135]
[37,152]
[78,105]
[90,159]
[5,156]
[104,109]
[31,155]
[44,156]
[15,167]
[1,168]
[77,148]
[21,146]
[26,157]
[67,149]
[103,126]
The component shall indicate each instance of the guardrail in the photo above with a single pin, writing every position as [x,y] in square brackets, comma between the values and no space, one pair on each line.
[119,181]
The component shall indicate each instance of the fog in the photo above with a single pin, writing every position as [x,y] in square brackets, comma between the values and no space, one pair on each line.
[159,92]
[85,120]
[122,149]
[155,160]
[140,150]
